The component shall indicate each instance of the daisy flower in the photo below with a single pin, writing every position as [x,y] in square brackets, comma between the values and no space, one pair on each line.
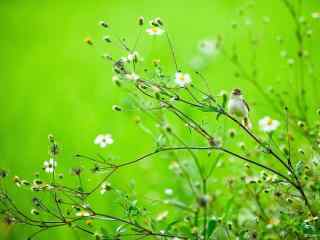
[83,213]
[182,79]
[50,165]
[103,140]
[268,125]
[208,47]
[155,31]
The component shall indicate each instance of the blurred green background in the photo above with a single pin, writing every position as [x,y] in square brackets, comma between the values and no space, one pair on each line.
[51,82]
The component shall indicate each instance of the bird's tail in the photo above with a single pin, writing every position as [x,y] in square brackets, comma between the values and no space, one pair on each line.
[247,123]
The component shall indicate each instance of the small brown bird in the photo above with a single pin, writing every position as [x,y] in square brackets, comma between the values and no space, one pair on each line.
[238,107]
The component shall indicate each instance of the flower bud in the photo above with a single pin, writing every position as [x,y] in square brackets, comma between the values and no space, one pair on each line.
[141,21]
[88,41]
[159,21]
[107,39]
[116,108]
[34,211]
[301,124]
[231,133]
[103,24]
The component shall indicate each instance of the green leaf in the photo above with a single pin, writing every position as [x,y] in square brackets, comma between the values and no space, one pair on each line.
[212,224]
[224,101]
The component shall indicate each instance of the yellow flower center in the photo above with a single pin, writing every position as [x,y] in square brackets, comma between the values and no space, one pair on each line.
[181,77]
[154,29]
[269,122]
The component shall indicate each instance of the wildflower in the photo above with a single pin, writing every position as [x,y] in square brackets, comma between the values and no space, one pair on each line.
[158,21]
[50,165]
[155,31]
[242,145]
[168,191]
[88,41]
[268,125]
[132,77]
[103,24]
[83,213]
[116,108]
[182,79]
[301,124]
[107,39]
[116,80]
[141,20]
[208,47]
[105,187]
[103,140]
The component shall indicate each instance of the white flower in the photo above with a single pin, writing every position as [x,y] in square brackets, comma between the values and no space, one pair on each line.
[103,140]
[168,191]
[267,124]
[50,165]
[208,47]
[83,213]
[132,77]
[316,15]
[182,79]
[155,31]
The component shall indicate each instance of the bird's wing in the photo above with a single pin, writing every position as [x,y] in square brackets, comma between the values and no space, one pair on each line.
[246,104]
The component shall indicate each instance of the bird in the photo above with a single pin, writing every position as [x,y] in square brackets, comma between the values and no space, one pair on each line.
[238,107]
